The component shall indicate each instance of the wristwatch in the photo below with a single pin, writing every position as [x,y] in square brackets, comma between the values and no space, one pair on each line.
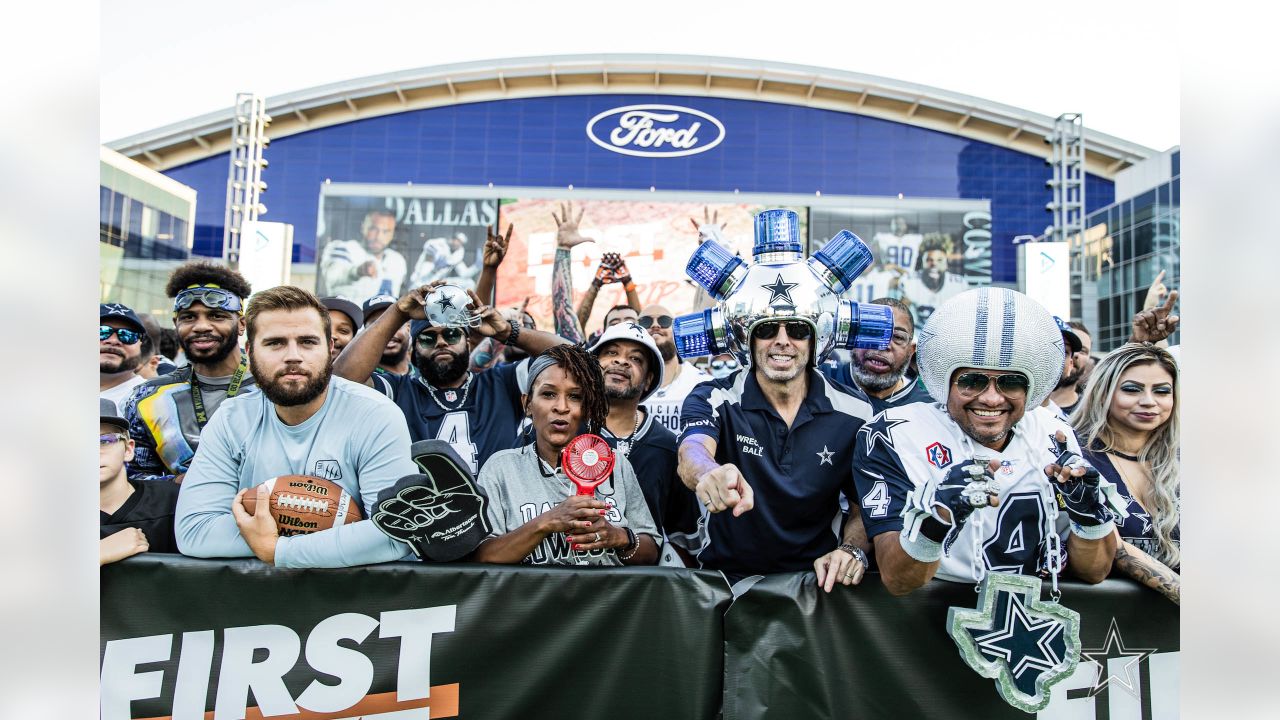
[857,553]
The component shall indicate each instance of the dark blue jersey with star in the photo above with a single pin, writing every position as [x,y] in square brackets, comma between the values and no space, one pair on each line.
[1138,529]
[913,392]
[477,423]
[796,473]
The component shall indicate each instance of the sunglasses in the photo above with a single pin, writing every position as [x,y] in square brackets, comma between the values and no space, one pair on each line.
[647,321]
[722,364]
[213,298]
[796,330]
[974,383]
[427,338]
[106,441]
[127,336]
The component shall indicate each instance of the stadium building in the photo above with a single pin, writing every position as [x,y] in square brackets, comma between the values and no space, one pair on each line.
[644,143]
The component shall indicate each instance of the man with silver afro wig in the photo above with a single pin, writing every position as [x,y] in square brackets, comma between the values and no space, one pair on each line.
[984,479]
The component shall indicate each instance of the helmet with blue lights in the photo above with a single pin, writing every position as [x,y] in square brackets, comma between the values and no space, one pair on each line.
[781,286]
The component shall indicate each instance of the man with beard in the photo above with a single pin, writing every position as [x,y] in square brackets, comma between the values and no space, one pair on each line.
[120,339]
[304,422]
[395,354]
[1072,369]
[932,285]
[167,414]
[960,488]
[678,378]
[477,413]
[882,374]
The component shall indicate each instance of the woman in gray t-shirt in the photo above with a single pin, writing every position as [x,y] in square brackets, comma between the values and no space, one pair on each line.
[536,514]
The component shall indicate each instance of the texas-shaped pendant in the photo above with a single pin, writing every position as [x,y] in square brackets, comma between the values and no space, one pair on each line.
[1023,643]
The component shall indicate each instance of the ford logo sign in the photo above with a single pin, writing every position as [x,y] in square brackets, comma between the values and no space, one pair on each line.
[655,130]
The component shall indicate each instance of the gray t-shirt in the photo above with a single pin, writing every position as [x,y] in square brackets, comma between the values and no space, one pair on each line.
[213,390]
[520,488]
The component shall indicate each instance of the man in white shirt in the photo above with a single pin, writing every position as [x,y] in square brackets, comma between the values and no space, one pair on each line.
[679,378]
[120,339]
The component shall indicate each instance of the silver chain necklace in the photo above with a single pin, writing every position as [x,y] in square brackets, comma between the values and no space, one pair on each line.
[625,450]
[466,388]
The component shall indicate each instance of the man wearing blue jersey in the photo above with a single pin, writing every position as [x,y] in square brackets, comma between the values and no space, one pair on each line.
[985,480]
[477,413]
[303,422]
[767,452]
[883,374]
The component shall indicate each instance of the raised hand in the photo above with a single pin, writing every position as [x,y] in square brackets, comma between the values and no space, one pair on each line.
[495,246]
[567,235]
[939,508]
[1157,323]
[710,227]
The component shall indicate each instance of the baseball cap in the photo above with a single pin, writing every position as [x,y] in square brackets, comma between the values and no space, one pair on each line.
[376,303]
[111,415]
[1069,335]
[636,334]
[121,312]
[346,307]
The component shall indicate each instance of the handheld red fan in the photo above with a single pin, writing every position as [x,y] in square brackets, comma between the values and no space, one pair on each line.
[587,461]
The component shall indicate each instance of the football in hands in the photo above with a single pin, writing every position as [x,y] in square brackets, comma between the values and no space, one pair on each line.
[302,504]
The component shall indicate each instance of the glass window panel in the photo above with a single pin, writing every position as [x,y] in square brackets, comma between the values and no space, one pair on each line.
[1142,239]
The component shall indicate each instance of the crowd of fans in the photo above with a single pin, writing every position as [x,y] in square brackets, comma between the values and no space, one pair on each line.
[776,461]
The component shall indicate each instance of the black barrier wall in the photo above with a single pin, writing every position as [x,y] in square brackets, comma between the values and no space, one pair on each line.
[187,638]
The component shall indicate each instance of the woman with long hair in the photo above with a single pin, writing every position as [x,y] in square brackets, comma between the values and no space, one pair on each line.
[1127,423]
[537,517]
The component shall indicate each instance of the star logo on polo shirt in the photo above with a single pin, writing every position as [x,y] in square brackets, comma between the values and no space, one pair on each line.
[824,456]
[1112,648]
[780,290]
[878,429]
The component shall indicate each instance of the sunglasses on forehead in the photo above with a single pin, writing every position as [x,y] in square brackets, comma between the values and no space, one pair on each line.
[427,338]
[127,336]
[796,330]
[212,298]
[975,383]
[647,321]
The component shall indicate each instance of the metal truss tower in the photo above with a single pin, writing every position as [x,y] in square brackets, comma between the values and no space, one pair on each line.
[1067,160]
[244,180]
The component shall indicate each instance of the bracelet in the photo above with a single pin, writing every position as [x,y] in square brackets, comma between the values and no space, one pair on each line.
[629,286]
[857,554]
[632,546]
[513,335]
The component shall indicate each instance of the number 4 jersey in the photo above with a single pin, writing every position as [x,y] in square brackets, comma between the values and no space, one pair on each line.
[902,447]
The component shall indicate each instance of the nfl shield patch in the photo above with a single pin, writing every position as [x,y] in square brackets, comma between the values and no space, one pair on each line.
[939,455]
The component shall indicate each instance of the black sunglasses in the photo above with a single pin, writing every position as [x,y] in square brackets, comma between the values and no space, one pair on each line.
[975,383]
[427,338]
[127,336]
[647,321]
[796,330]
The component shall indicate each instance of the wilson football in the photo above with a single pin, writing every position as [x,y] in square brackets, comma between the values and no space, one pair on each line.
[302,504]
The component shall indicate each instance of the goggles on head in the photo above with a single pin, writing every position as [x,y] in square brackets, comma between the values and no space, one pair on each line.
[211,297]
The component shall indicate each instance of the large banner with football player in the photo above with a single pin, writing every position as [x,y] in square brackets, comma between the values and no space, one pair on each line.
[183,638]
[923,256]
[655,240]
[382,241]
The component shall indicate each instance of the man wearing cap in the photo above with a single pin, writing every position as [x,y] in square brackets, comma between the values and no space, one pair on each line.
[134,516]
[985,480]
[120,338]
[678,377]
[1072,367]
[883,374]
[345,318]
[395,355]
[477,413]
[167,414]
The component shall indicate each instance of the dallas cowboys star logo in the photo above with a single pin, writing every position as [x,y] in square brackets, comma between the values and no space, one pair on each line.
[878,429]
[780,290]
[1113,647]
[1136,510]
[1022,643]
[116,309]
[824,456]
[445,302]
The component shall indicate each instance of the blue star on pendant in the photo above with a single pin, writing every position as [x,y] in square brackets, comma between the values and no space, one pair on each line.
[878,429]
[780,290]
[1022,642]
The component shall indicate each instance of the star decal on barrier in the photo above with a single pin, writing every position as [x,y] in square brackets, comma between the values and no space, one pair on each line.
[824,456]
[1106,652]
[878,429]
[780,290]
[1014,638]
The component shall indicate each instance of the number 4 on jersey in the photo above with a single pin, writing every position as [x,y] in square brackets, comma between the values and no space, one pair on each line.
[455,429]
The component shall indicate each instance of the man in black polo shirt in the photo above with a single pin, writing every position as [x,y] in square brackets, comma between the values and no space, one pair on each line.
[770,443]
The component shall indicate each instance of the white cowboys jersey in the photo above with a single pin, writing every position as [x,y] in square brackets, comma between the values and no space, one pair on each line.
[875,284]
[899,250]
[924,300]
[902,447]
[341,257]
[665,403]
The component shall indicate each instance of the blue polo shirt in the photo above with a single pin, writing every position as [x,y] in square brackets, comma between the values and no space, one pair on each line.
[485,421]
[797,473]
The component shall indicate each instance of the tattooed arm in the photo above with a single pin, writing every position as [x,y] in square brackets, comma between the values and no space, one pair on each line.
[567,236]
[1150,572]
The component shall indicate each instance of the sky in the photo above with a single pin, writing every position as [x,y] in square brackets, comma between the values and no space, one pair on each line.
[1114,62]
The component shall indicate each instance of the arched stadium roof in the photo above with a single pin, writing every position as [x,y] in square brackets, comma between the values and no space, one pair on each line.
[689,75]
